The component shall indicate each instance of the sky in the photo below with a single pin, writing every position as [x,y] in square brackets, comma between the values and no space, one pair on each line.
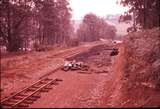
[98,7]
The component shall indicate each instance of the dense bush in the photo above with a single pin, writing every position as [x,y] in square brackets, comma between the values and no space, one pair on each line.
[141,68]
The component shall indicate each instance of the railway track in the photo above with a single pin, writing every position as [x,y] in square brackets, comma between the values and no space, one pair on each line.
[66,56]
[28,95]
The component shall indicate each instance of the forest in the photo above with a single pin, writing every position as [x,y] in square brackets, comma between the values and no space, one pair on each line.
[38,22]
[144,13]
[34,24]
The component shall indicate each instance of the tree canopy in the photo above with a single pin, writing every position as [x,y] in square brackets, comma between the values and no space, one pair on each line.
[93,28]
[42,21]
[145,12]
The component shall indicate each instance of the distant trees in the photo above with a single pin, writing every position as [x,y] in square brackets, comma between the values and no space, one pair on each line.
[42,21]
[93,28]
[54,21]
[146,12]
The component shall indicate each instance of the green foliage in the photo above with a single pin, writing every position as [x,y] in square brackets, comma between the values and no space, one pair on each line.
[145,12]
[42,21]
[93,28]
[54,18]
[13,14]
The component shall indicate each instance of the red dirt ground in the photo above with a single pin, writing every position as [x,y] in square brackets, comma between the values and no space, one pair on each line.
[81,89]
[19,71]
[74,91]
[101,86]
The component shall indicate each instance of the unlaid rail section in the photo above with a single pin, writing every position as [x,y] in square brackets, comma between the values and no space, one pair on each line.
[30,94]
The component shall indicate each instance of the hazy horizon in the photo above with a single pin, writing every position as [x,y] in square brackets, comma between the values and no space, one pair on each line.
[101,8]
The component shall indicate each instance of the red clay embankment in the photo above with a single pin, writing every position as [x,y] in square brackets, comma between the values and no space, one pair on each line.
[137,71]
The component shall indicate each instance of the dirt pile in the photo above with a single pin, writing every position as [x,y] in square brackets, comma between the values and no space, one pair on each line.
[140,70]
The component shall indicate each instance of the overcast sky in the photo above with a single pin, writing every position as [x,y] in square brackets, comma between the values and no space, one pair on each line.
[99,7]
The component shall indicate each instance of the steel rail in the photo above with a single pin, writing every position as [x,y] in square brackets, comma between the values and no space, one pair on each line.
[33,93]
[5,99]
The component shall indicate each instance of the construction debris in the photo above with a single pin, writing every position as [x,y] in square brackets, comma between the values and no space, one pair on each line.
[73,65]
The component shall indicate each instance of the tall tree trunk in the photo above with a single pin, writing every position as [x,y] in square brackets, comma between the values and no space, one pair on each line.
[145,14]
[9,38]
